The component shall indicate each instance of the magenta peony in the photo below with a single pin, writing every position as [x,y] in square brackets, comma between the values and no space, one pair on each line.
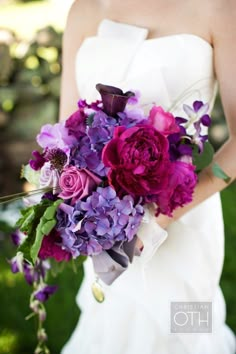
[163,121]
[139,161]
[76,183]
[51,248]
[180,189]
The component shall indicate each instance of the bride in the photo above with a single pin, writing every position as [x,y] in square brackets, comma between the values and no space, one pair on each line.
[173,52]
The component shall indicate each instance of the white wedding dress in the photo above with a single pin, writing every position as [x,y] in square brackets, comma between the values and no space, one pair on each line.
[135,316]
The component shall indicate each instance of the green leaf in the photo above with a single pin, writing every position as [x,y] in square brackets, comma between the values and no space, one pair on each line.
[28,223]
[48,226]
[25,249]
[205,158]
[27,217]
[35,247]
[45,226]
[218,172]
[50,212]
[89,120]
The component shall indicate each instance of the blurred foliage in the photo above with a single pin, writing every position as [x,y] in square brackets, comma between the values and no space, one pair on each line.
[18,336]
[29,97]
[28,0]
[29,82]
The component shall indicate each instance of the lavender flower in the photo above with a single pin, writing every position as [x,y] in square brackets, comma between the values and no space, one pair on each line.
[95,106]
[197,138]
[181,143]
[133,100]
[196,113]
[38,161]
[17,237]
[57,158]
[44,292]
[31,273]
[55,136]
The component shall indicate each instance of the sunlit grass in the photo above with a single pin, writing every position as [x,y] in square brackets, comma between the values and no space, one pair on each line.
[8,279]
[18,336]
[8,341]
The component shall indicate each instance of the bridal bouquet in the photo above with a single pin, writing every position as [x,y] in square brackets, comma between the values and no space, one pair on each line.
[95,172]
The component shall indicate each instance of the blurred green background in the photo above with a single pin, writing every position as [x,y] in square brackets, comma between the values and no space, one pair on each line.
[30,68]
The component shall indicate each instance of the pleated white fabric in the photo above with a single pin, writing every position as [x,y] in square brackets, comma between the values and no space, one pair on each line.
[185,265]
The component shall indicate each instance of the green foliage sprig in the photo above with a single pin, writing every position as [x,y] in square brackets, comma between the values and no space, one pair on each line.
[36,222]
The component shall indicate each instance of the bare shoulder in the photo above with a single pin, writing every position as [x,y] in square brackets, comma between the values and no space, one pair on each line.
[222,19]
[84,17]
[82,21]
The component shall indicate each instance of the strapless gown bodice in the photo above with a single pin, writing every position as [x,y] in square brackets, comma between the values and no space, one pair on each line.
[135,317]
[168,70]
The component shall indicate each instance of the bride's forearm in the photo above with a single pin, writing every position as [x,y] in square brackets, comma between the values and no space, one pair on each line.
[208,183]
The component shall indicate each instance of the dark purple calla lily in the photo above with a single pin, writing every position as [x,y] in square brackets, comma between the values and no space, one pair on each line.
[114,99]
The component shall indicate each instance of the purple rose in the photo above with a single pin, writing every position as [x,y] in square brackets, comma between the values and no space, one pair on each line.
[139,161]
[180,189]
[76,183]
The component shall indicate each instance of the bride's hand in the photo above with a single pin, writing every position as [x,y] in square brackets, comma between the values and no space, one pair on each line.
[162,220]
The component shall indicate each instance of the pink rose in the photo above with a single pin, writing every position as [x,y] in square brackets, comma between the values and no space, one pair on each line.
[180,188]
[163,121]
[51,248]
[76,183]
[138,159]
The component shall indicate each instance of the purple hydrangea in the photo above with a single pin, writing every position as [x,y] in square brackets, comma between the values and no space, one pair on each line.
[98,222]
[131,117]
[87,153]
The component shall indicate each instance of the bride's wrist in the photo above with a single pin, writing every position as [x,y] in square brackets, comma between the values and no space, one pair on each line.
[163,221]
